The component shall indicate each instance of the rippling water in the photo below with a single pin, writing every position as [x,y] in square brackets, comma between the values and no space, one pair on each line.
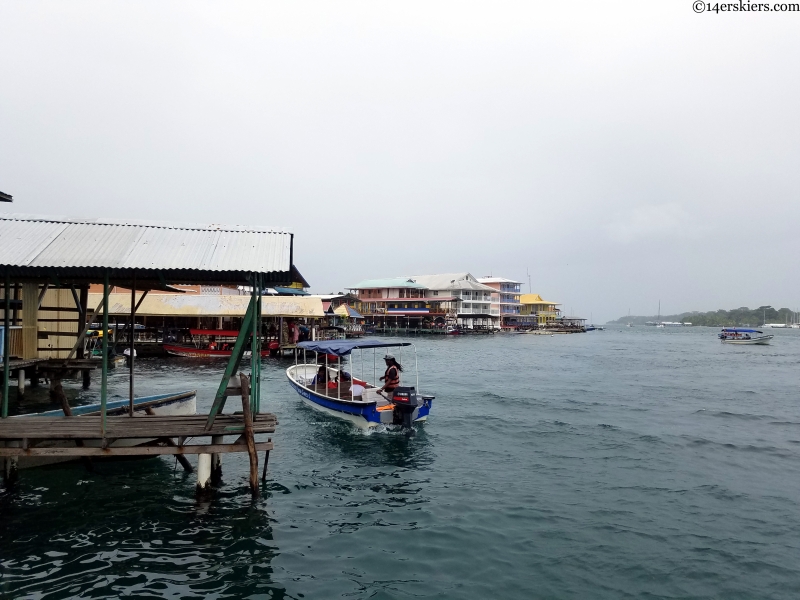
[628,463]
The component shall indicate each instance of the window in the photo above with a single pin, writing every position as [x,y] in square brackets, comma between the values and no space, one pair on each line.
[435,292]
[402,293]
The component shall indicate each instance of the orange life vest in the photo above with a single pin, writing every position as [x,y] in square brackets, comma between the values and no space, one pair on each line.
[392,382]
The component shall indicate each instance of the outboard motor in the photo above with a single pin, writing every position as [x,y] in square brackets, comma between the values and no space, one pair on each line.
[406,401]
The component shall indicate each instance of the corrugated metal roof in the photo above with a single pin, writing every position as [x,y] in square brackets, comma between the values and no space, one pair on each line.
[452,281]
[58,242]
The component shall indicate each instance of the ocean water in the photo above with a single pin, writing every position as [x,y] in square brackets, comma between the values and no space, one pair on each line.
[626,463]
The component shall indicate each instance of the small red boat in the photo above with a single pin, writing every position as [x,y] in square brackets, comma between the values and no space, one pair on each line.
[212,343]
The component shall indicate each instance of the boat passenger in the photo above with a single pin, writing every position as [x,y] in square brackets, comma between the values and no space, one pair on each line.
[321,376]
[391,377]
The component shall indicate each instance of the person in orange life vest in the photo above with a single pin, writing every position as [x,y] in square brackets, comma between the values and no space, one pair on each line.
[391,377]
[212,345]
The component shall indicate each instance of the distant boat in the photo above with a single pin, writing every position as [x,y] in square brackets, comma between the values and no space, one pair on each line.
[737,335]
[658,322]
[775,326]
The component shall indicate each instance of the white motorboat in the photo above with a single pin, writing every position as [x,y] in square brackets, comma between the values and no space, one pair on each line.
[737,335]
[349,397]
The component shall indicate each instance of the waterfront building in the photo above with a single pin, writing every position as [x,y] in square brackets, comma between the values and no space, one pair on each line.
[426,301]
[505,300]
[534,311]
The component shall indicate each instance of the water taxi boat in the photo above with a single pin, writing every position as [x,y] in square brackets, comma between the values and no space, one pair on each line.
[211,343]
[736,335]
[352,398]
[181,403]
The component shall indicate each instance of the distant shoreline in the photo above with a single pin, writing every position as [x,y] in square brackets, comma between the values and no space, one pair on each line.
[736,317]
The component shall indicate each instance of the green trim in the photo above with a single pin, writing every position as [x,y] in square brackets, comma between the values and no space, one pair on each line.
[232,367]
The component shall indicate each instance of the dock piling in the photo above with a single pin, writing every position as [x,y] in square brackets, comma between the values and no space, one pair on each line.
[266,462]
[20,383]
[203,474]
[216,460]
[248,434]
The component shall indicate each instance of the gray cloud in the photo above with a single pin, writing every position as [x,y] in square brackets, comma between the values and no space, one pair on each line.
[625,152]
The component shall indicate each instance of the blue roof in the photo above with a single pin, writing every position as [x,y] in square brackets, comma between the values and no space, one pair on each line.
[345,347]
[740,330]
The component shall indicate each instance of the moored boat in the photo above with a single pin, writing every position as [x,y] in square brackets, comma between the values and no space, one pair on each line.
[211,343]
[737,335]
[326,386]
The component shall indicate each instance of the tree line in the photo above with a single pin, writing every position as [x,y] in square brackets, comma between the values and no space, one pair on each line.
[737,317]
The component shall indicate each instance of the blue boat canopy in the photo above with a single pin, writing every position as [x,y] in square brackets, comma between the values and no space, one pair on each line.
[345,347]
[740,330]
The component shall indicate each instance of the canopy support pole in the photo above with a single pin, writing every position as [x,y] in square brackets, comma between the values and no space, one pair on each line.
[104,380]
[6,343]
[132,347]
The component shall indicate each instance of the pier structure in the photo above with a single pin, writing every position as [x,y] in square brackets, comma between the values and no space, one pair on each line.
[42,253]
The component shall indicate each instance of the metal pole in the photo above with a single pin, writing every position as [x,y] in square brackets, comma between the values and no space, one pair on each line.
[132,349]
[374,369]
[6,346]
[254,352]
[104,380]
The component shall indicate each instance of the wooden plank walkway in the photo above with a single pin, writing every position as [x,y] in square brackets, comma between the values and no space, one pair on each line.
[21,436]
[125,427]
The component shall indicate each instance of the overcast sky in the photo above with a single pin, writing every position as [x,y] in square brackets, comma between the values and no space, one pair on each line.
[622,152]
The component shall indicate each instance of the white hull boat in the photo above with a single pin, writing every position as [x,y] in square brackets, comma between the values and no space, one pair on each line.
[744,337]
[352,398]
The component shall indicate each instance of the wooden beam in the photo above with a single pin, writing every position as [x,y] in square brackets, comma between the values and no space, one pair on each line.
[84,329]
[131,450]
[41,295]
[248,434]
[139,302]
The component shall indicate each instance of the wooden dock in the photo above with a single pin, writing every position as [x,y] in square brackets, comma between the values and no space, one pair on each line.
[163,435]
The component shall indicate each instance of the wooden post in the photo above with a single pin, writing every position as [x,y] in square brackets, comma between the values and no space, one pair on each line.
[6,345]
[104,380]
[216,460]
[248,434]
[132,348]
[266,462]
[20,383]
[203,474]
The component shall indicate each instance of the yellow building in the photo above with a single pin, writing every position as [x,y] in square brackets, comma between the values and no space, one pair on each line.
[544,311]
